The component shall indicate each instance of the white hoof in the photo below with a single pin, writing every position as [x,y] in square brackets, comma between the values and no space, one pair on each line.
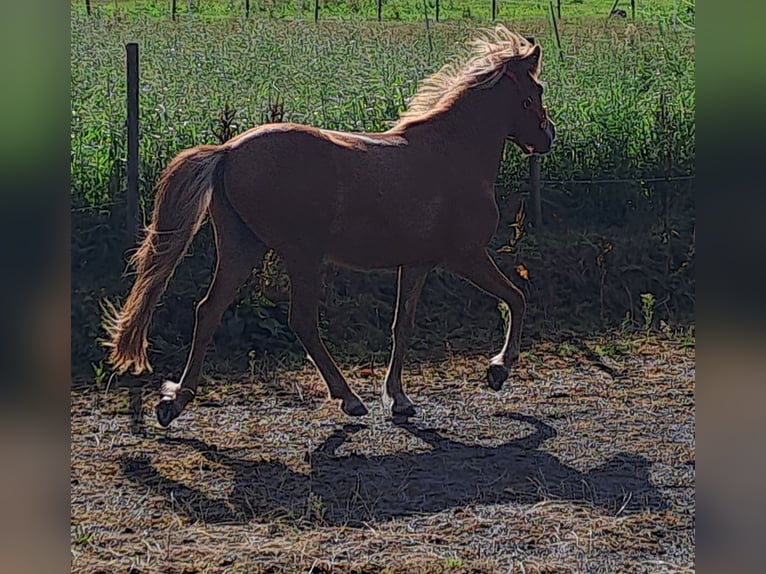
[169,390]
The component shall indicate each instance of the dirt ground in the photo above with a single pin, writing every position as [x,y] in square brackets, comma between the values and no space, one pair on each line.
[584,462]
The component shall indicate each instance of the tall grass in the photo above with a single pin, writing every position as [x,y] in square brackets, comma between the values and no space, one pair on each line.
[392,10]
[622,98]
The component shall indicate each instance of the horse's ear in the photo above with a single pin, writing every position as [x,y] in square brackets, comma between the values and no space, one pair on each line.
[532,60]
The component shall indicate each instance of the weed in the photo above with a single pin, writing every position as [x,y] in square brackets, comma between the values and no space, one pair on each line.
[505,315]
[316,508]
[100,374]
[647,310]
[252,363]
[626,325]
[687,338]
[566,349]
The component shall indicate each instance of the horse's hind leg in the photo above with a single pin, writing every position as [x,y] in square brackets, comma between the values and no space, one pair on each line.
[482,272]
[238,251]
[410,283]
[305,289]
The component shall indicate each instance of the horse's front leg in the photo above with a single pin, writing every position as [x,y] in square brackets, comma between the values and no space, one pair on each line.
[482,271]
[410,285]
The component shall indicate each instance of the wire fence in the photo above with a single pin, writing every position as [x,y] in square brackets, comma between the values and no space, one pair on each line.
[680,12]
[548,182]
[609,181]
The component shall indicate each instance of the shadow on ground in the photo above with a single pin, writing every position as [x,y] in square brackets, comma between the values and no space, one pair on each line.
[352,490]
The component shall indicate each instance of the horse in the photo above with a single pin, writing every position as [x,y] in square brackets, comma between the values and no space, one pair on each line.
[414,197]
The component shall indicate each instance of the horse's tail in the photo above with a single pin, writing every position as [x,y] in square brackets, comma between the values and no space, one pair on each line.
[184,192]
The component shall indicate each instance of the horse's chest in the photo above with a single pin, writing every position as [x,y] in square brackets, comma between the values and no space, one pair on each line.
[473,220]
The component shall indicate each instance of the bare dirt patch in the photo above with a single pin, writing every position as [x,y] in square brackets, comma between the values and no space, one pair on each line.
[583,463]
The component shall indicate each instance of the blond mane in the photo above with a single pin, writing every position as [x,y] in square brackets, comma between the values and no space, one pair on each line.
[486,54]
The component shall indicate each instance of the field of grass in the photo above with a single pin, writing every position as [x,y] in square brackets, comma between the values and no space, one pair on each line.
[622,98]
[682,11]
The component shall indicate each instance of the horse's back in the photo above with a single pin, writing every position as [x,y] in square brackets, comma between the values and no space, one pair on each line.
[364,200]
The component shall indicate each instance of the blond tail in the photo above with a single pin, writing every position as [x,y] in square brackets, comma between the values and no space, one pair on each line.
[183,196]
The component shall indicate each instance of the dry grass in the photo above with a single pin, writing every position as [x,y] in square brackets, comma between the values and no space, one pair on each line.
[583,463]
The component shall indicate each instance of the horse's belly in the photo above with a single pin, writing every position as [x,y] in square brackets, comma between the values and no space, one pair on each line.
[366,247]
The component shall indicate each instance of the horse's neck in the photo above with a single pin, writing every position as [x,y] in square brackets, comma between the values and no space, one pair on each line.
[474,130]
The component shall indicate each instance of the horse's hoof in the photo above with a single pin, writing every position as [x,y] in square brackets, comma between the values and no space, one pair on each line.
[354,408]
[166,412]
[496,376]
[403,409]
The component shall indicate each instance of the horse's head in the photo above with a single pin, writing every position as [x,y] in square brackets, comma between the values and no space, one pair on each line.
[530,127]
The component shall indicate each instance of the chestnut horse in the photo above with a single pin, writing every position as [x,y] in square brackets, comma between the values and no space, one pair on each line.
[417,196]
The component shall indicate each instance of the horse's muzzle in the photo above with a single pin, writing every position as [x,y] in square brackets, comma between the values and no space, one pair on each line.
[550,136]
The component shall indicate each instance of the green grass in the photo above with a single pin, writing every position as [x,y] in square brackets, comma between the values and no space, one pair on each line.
[622,97]
[391,9]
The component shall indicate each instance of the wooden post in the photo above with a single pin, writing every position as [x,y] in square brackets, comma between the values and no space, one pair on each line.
[556,31]
[380,10]
[494,10]
[132,191]
[247,8]
[173,10]
[633,9]
[428,31]
[316,10]
[558,8]
[437,10]
[87,6]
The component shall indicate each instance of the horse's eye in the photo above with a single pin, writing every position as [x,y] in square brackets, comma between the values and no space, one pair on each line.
[526,103]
